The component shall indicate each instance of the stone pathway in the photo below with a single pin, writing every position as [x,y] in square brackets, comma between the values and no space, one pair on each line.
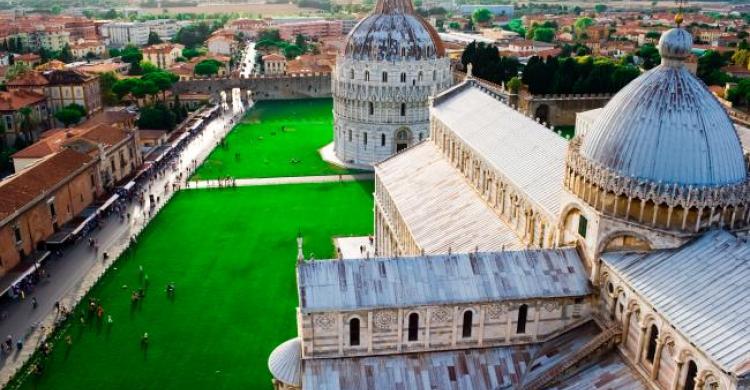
[80,268]
[216,183]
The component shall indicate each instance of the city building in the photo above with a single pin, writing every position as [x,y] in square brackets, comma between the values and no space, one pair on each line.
[166,29]
[314,29]
[71,86]
[222,42]
[274,64]
[508,257]
[11,103]
[163,55]
[52,38]
[120,34]
[392,62]
[249,28]
[81,49]
[40,199]
[29,59]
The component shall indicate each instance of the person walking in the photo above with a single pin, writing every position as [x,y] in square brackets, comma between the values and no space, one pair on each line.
[34,303]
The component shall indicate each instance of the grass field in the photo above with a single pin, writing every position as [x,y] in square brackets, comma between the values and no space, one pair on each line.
[258,147]
[231,254]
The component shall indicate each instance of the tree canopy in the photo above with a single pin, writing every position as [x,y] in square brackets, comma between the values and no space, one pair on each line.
[586,74]
[207,67]
[154,38]
[488,64]
[481,16]
[68,116]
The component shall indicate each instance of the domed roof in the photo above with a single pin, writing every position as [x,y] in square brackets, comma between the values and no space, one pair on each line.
[393,31]
[665,126]
[285,364]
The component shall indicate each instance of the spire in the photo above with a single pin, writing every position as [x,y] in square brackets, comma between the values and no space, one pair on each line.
[300,253]
[394,6]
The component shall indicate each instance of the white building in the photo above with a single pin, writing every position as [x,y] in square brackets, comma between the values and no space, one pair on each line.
[166,29]
[496,9]
[382,83]
[513,259]
[223,43]
[163,55]
[274,64]
[125,33]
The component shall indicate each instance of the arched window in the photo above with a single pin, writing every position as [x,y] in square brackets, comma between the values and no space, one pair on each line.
[354,331]
[467,324]
[370,108]
[522,313]
[403,109]
[413,334]
[385,77]
[692,371]
[403,77]
[367,75]
[382,139]
[651,351]
[351,74]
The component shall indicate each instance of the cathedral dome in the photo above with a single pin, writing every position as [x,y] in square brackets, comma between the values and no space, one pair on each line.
[392,32]
[284,362]
[666,127]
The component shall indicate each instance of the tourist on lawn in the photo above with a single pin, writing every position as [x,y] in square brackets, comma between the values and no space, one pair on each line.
[144,340]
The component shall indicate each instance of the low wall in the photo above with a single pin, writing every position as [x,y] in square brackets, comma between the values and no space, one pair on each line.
[290,86]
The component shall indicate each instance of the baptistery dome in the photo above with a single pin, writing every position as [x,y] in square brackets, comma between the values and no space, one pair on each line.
[393,31]
[393,61]
[666,127]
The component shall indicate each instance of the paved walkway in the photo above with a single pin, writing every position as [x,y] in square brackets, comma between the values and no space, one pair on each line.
[217,183]
[73,274]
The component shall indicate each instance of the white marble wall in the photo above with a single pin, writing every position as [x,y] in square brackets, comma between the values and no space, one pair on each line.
[386,331]
[370,110]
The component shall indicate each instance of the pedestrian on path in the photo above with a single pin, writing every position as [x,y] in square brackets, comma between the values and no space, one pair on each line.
[34,303]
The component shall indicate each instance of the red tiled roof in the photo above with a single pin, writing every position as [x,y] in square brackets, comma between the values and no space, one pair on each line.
[19,190]
[28,79]
[15,100]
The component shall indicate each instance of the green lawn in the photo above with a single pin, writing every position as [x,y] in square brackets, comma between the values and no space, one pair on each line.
[231,254]
[276,138]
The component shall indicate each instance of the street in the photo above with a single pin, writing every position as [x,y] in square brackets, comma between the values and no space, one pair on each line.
[79,267]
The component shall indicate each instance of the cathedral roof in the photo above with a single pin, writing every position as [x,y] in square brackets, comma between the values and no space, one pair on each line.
[529,155]
[429,193]
[441,279]
[284,362]
[393,31]
[665,126]
[702,289]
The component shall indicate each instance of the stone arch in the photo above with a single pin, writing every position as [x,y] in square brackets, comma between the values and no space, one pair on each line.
[354,325]
[709,379]
[542,113]
[403,138]
[622,240]
[468,322]
[569,223]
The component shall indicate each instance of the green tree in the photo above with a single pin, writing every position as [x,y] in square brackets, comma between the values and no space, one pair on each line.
[154,38]
[157,117]
[148,67]
[582,24]
[292,51]
[68,116]
[741,57]
[454,26]
[544,34]
[649,56]
[191,52]
[207,68]
[144,88]
[599,8]
[163,81]
[55,10]
[75,106]
[514,85]
[481,16]
[16,70]
[709,67]
[131,55]
[107,81]
[66,55]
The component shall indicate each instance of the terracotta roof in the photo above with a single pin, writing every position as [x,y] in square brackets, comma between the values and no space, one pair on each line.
[27,57]
[53,141]
[15,100]
[161,48]
[28,79]
[19,190]
[274,57]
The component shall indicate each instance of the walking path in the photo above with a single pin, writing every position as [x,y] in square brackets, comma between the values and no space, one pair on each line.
[219,183]
[73,274]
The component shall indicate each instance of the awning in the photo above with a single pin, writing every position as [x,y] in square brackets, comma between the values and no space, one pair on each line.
[60,237]
[109,202]
[83,224]
[180,139]
[22,270]
[129,186]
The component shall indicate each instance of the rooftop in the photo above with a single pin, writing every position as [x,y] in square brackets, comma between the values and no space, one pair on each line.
[338,285]
[15,100]
[529,155]
[20,189]
[429,192]
[702,291]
